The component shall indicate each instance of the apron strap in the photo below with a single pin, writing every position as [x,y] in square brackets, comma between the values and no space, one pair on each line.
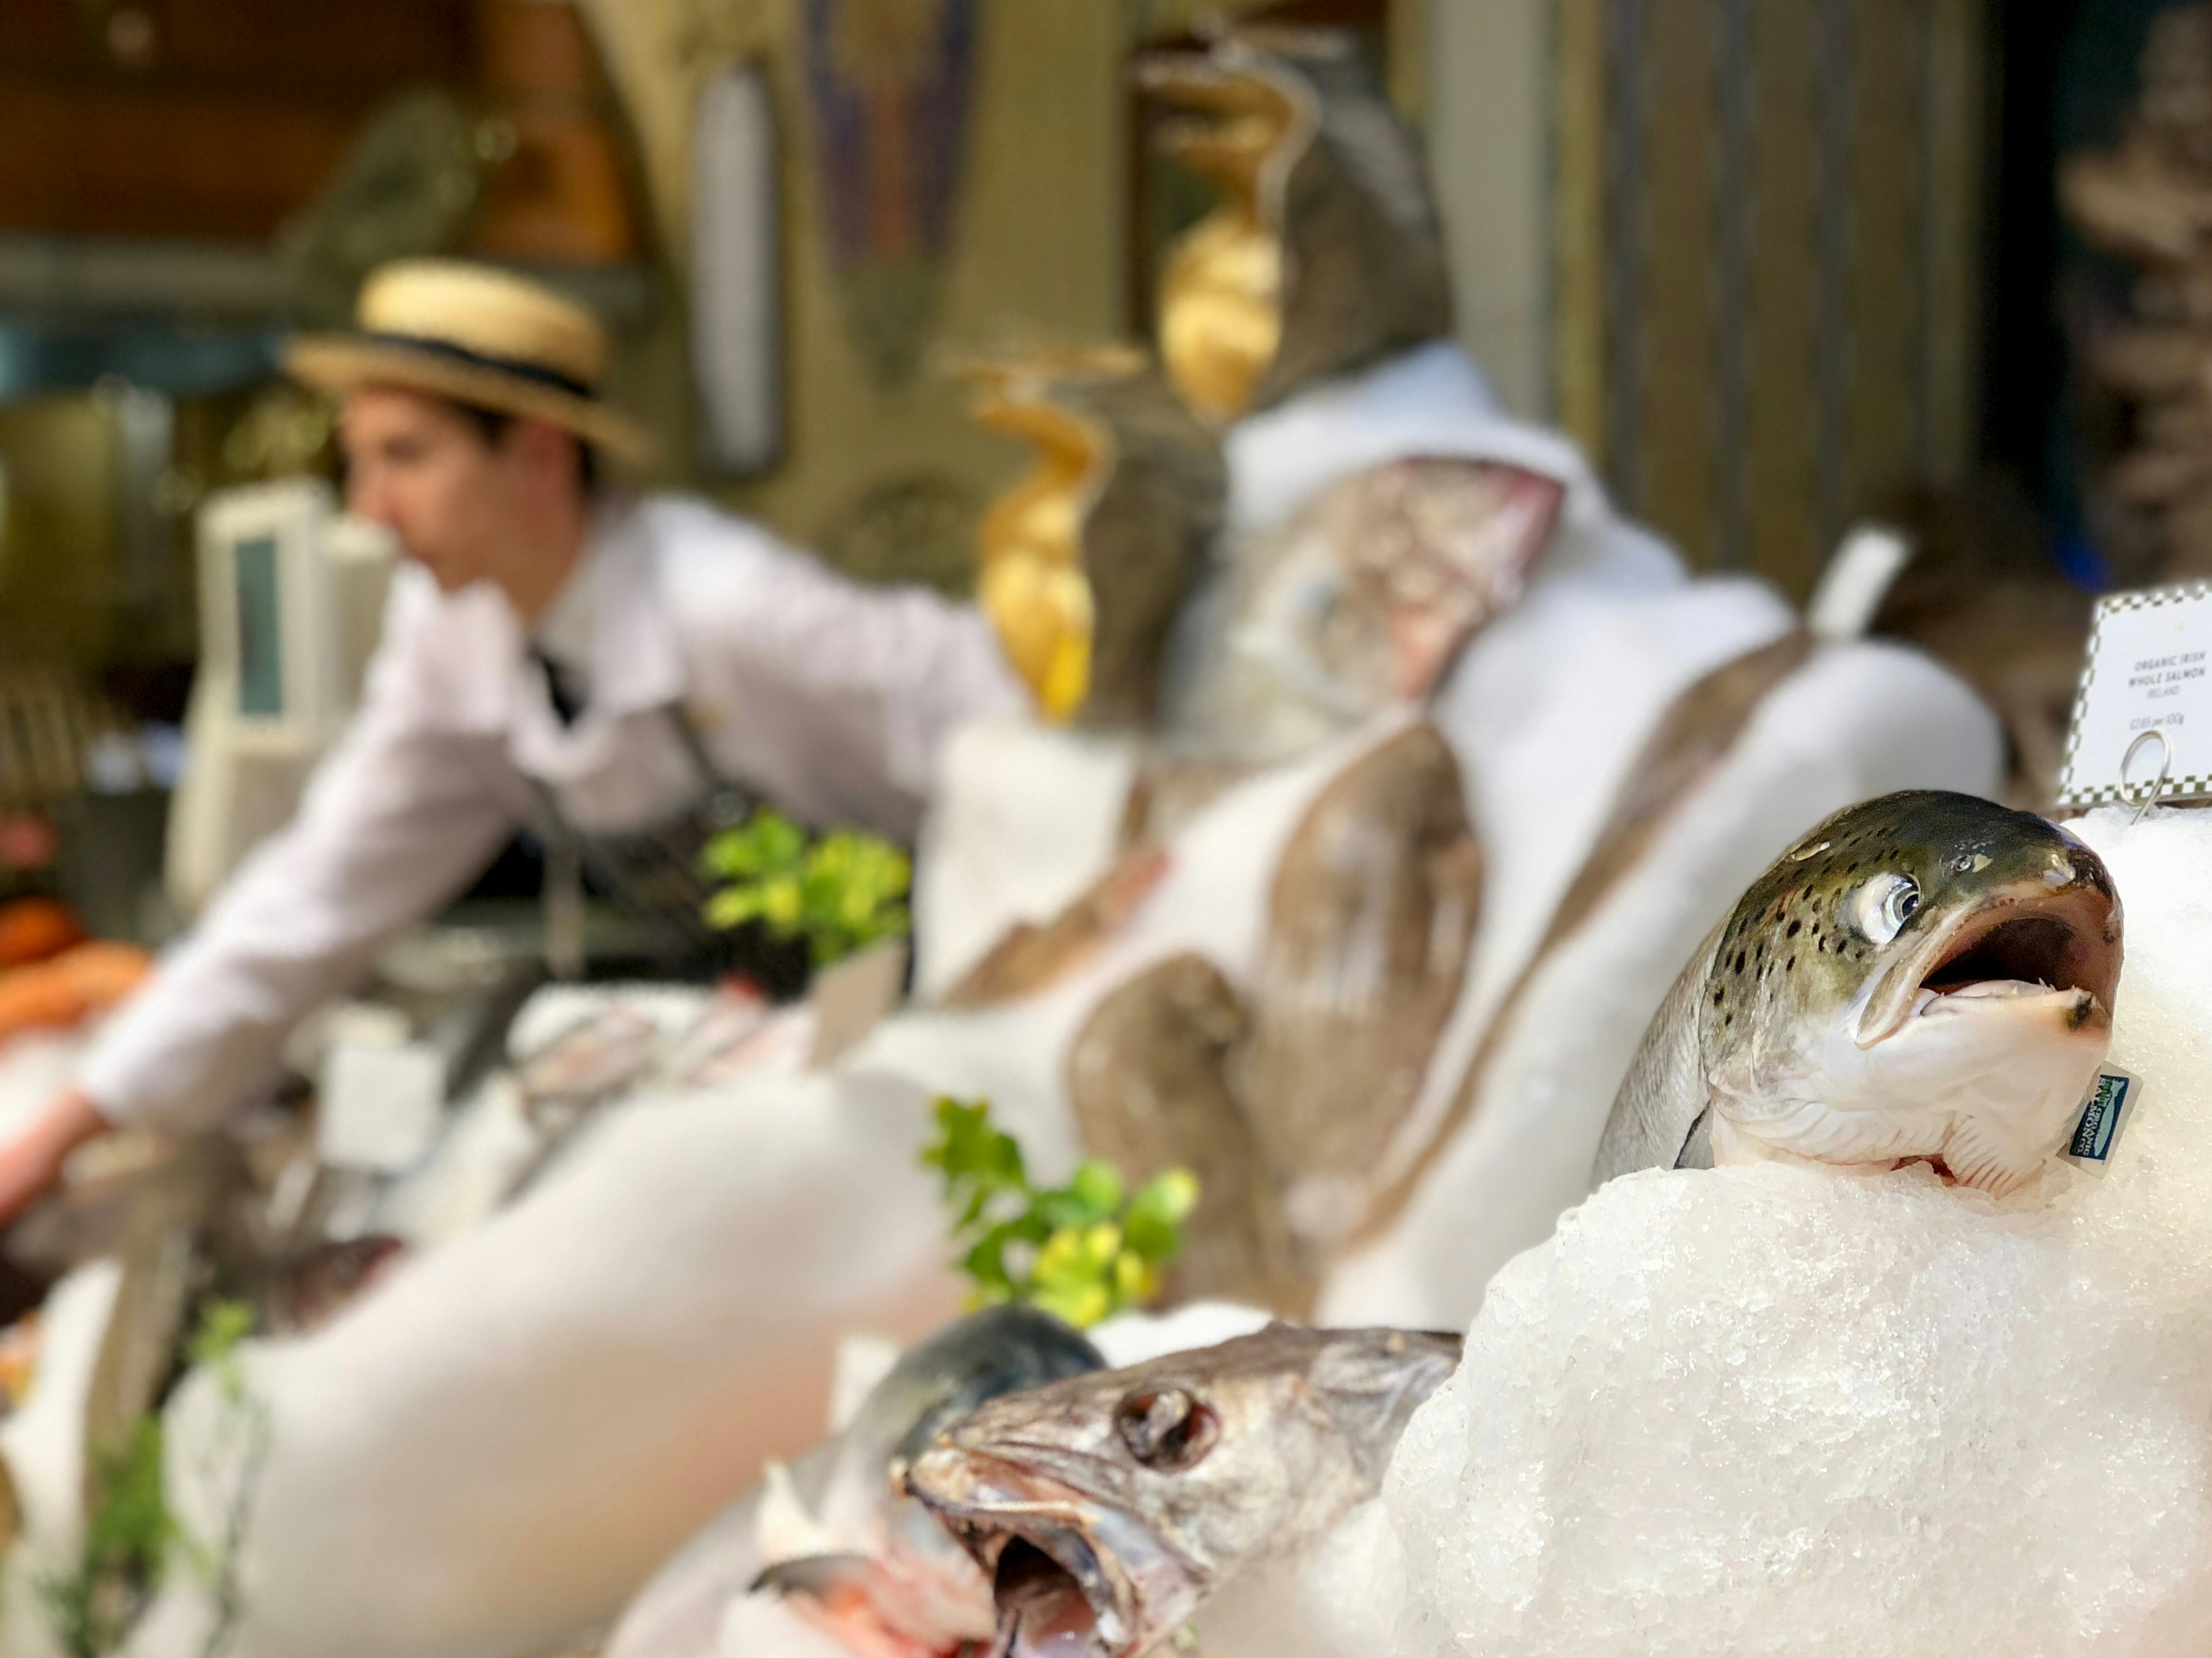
[695,745]
[652,871]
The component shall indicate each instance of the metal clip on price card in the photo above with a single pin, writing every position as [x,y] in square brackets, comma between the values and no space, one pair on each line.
[2147,681]
[2147,797]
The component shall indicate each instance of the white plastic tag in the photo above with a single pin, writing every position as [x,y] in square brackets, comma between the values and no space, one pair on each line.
[851,999]
[379,1105]
[2142,720]
[1857,580]
[2112,1099]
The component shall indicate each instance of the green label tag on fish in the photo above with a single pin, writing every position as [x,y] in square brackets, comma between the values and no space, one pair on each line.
[2111,1101]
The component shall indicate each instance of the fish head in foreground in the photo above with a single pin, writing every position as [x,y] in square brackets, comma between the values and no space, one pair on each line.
[869,1566]
[1927,975]
[1106,1508]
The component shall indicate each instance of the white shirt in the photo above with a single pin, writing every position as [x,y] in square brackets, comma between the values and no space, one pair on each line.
[830,699]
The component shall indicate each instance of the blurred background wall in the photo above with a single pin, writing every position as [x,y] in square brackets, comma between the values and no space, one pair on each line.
[1777,266]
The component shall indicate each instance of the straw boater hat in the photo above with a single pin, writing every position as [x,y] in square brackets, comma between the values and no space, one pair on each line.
[478,336]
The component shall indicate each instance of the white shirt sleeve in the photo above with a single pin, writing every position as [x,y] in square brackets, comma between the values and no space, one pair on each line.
[838,697]
[397,819]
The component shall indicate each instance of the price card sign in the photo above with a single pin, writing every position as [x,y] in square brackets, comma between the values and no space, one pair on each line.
[2143,721]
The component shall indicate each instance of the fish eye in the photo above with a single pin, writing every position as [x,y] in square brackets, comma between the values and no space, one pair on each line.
[1166,1429]
[1884,905]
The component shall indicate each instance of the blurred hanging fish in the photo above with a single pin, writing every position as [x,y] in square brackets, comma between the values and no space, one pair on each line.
[832,1534]
[1108,1508]
[1362,602]
[1924,976]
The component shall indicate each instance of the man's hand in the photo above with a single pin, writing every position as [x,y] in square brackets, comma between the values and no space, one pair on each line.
[31,1158]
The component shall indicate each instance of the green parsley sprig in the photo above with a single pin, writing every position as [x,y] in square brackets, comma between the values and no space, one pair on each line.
[129,1531]
[841,891]
[127,1536]
[1082,1252]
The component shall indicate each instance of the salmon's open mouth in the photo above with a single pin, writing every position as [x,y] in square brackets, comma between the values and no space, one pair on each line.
[2025,943]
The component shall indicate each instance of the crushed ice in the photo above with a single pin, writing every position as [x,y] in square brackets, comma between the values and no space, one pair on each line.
[1773,1410]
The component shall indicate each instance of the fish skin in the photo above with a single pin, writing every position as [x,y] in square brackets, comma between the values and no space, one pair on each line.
[1030,958]
[998,1350]
[1797,1029]
[1694,738]
[1283,1101]
[1152,1081]
[1168,792]
[1370,922]
[1109,1507]
[872,1568]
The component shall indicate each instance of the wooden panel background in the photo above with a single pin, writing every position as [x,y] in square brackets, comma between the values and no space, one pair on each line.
[235,114]
[218,119]
[1765,252]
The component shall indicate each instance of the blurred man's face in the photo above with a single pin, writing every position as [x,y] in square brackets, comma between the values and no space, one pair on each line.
[466,509]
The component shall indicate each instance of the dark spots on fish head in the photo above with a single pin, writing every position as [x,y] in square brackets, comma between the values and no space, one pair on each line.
[1718,996]
[1794,925]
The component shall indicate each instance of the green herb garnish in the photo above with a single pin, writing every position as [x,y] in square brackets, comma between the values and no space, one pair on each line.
[841,892]
[130,1536]
[1082,1251]
[126,1540]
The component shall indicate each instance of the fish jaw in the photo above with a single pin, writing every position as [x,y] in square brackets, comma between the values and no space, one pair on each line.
[927,1586]
[1987,1078]
[2020,1060]
[1074,1577]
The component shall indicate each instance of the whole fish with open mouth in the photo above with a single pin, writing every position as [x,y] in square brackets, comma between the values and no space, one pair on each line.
[1926,975]
[1108,1508]
[832,1534]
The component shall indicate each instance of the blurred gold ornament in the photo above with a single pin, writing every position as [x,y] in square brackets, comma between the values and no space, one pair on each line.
[1221,291]
[1325,254]
[1084,563]
[1030,581]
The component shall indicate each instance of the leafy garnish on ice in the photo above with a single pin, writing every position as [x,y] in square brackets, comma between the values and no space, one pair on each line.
[1082,1251]
[841,891]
